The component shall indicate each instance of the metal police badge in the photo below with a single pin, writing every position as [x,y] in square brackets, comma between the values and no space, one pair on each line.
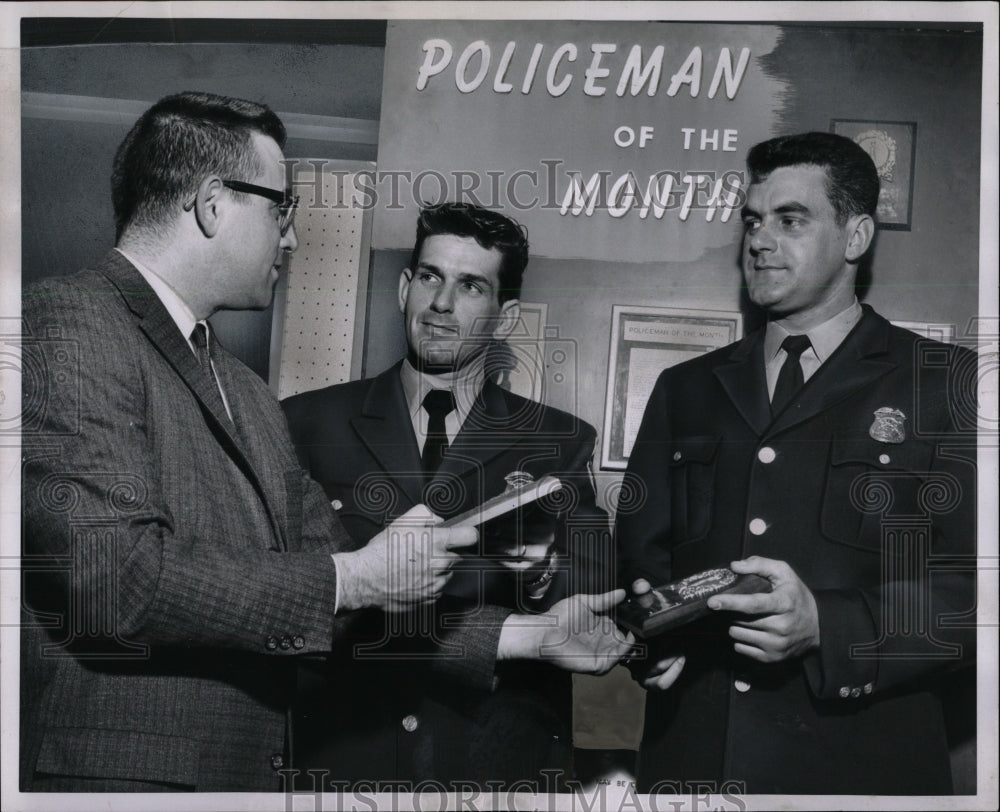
[888,426]
[517,479]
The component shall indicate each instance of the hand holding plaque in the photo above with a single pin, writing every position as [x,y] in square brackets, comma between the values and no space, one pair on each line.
[667,607]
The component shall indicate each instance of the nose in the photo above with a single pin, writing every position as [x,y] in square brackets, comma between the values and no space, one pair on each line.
[444,299]
[289,241]
[761,240]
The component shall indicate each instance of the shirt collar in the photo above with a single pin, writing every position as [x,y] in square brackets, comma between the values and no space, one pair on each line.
[466,384]
[825,337]
[170,298]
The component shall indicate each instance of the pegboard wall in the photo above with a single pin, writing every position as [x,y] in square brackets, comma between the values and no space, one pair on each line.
[320,308]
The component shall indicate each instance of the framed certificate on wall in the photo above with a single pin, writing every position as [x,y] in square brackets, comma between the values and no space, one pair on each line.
[644,342]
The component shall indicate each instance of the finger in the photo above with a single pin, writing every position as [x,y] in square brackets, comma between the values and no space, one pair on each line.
[770,568]
[640,586]
[604,602]
[753,653]
[668,677]
[662,665]
[456,538]
[759,603]
[763,624]
[752,637]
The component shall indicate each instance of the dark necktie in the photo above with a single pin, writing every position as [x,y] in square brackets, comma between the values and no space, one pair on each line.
[790,378]
[202,348]
[199,337]
[438,403]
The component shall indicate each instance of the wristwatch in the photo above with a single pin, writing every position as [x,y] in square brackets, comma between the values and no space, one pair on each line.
[536,588]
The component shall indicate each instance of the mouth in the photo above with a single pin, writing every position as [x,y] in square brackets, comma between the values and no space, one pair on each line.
[440,329]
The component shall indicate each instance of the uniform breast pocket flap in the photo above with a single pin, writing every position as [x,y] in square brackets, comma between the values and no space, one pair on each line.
[871,482]
[692,484]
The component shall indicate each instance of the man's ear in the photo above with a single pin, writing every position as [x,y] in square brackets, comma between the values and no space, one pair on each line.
[862,231]
[207,205]
[510,312]
[404,288]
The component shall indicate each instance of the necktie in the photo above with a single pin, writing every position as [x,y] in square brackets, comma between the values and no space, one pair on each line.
[438,403]
[199,337]
[790,377]
[201,342]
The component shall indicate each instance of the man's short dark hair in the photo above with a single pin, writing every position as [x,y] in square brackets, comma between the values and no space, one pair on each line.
[176,143]
[488,228]
[852,180]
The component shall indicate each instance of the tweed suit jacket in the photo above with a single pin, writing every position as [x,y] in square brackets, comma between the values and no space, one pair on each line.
[879,527]
[357,440]
[174,560]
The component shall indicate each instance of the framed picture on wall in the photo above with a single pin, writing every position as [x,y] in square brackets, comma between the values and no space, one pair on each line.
[892,145]
[644,342]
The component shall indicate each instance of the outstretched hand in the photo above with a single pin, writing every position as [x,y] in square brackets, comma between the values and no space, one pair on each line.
[576,634]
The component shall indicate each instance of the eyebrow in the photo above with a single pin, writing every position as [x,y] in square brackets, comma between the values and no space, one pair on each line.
[786,208]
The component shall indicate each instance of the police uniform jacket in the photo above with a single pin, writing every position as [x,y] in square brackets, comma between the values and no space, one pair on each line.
[881,531]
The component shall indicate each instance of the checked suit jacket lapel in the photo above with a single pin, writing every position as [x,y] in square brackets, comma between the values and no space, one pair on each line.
[155,322]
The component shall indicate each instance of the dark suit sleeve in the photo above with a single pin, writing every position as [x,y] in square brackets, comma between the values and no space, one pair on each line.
[96,480]
[586,537]
[302,429]
[642,519]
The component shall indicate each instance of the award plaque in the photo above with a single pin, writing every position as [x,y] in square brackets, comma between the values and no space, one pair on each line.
[666,607]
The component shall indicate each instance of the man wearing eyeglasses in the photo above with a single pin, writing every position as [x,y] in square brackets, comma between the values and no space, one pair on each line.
[176,557]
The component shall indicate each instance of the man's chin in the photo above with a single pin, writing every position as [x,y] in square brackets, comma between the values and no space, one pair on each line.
[434,366]
[768,299]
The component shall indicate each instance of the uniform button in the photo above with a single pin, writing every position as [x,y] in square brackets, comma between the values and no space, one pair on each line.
[855,693]
[277,761]
[758,527]
[677,456]
[741,685]
[844,692]
[869,687]
[884,459]
[286,642]
[271,643]
[766,455]
[410,723]
[336,504]
[298,641]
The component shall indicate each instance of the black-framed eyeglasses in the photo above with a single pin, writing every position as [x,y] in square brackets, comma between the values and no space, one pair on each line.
[286,203]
